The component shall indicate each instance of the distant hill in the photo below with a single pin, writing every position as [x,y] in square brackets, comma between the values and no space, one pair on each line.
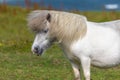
[82,5]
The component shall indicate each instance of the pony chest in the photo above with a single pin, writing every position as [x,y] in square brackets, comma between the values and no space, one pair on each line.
[69,54]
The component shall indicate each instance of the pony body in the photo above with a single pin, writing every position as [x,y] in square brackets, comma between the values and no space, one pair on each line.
[101,44]
[85,43]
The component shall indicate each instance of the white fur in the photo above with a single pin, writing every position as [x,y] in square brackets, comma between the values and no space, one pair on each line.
[100,47]
[100,44]
[83,42]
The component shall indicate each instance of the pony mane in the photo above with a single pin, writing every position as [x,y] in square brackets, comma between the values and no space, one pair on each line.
[68,26]
[64,26]
[35,18]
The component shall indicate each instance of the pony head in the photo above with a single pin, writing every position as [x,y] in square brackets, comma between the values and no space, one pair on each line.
[51,26]
[39,22]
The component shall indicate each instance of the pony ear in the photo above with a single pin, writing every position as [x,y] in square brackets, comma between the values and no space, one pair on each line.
[48,17]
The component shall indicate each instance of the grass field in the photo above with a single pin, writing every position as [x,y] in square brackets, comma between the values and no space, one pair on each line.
[18,63]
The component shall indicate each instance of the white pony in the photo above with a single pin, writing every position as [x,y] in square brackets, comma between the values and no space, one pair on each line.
[84,43]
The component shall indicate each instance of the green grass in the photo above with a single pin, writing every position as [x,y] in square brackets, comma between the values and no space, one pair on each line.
[18,63]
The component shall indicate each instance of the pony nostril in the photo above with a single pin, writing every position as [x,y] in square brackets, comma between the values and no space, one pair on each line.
[36,49]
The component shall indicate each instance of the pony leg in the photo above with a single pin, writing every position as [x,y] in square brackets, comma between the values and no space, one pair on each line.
[76,70]
[85,62]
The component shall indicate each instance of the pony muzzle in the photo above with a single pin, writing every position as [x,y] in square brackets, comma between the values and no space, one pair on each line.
[38,51]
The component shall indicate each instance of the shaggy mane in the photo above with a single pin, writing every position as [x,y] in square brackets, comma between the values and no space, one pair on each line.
[65,26]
